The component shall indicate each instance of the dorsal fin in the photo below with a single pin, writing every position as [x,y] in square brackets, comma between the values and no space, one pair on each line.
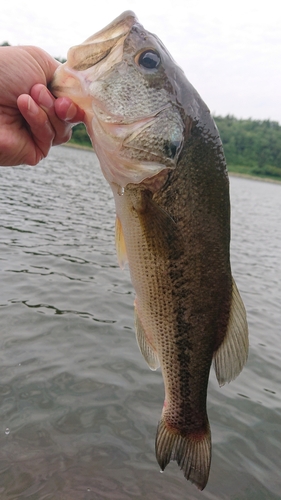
[232,354]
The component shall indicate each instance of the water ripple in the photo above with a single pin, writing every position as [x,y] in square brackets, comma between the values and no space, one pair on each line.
[79,407]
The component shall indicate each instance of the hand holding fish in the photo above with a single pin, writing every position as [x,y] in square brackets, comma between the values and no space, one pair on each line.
[31,119]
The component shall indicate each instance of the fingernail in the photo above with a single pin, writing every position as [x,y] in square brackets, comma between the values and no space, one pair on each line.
[32,106]
[45,98]
[71,112]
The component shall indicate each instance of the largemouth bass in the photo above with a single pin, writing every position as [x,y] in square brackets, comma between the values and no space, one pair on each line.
[161,153]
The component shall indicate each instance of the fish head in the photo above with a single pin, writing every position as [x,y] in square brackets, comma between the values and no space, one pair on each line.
[130,89]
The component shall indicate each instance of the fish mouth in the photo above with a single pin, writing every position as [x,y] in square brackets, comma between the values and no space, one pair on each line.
[87,61]
[118,27]
[98,46]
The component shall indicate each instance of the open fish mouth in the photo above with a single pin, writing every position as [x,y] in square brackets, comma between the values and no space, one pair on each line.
[91,59]
[98,46]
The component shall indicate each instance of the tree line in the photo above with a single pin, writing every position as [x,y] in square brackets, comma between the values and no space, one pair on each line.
[251,146]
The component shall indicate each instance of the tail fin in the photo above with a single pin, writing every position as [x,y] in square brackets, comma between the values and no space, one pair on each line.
[192,452]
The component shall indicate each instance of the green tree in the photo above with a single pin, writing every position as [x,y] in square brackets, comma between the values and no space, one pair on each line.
[251,146]
[80,135]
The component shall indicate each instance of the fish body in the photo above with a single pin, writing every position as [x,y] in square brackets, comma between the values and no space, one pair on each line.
[161,153]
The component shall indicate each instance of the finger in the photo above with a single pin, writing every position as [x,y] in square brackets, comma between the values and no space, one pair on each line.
[69,111]
[43,97]
[40,130]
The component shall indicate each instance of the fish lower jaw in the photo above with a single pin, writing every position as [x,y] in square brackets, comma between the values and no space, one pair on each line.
[123,171]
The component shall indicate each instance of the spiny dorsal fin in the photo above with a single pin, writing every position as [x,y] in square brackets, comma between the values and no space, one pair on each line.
[149,354]
[120,244]
[191,452]
[232,354]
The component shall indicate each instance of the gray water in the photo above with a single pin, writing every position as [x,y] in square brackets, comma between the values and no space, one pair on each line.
[78,405]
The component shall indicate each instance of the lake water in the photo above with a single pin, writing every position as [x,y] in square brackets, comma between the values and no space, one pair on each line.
[78,405]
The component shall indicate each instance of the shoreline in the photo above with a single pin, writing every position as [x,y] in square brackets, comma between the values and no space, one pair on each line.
[77,146]
[254,177]
[230,173]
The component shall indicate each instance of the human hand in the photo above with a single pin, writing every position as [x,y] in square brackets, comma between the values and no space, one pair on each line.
[31,119]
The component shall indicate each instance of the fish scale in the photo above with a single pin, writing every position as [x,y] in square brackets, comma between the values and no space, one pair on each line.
[161,153]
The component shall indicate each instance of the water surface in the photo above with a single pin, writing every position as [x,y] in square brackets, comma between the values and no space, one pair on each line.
[78,405]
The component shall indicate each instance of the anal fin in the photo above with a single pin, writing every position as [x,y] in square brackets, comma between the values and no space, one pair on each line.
[232,354]
[149,354]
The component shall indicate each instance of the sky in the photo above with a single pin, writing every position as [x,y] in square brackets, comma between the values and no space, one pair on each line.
[229,50]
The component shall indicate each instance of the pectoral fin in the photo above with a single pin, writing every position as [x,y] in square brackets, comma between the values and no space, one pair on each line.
[232,354]
[160,230]
[149,354]
[120,244]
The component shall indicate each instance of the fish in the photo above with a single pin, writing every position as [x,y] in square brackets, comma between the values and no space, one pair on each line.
[161,153]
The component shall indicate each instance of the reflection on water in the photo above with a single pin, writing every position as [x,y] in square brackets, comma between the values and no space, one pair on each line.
[78,406]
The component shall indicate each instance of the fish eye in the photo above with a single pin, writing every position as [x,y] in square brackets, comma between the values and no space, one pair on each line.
[149,59]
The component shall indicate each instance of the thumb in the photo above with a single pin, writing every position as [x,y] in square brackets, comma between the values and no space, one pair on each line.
[47,63]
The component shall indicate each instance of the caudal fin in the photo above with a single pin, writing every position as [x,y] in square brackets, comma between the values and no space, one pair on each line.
[192,452]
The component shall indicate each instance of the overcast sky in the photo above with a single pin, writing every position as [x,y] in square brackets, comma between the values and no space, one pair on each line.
[229,50]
